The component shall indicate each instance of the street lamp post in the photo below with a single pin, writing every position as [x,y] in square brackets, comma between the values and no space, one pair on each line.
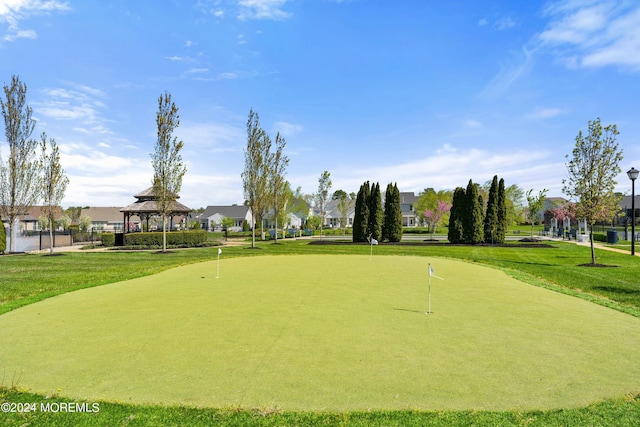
[633,174]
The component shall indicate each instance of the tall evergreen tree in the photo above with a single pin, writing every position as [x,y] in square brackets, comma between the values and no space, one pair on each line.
[395,216]
[361,214]
[375,212]
[474,216]
[388,199]
[456,216]
[356,229]
[503,222]
[491,216]
[392,224]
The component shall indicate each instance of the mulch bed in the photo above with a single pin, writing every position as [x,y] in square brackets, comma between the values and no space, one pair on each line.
[434,243]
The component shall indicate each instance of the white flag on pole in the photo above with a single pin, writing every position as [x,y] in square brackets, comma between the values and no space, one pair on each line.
[218,266]
[430,271]
[374,242]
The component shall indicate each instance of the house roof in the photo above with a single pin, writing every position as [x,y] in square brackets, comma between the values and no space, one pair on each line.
[625,202]
[236,211]
[32,213]
[333,211]
[407,198]
[103,214]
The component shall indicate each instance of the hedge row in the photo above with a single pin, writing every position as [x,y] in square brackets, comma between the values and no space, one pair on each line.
[174,238]
[108,239]
[599,237]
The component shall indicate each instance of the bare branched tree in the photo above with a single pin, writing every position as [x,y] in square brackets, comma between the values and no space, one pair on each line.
[54,183]
[167,161]
[19,173]
[592,170]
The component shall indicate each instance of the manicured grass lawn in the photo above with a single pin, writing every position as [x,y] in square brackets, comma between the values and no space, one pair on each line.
[336,333]
[555,267]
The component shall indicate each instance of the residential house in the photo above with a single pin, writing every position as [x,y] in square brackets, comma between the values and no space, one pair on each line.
[107,219]
[29,220]
[333,215]
[407,203]
[213,215]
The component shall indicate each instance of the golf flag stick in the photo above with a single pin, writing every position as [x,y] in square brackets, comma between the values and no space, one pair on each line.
[429,287]
[371,243]
[218,269]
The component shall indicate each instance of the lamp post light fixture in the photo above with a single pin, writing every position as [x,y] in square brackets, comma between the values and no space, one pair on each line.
[633,174]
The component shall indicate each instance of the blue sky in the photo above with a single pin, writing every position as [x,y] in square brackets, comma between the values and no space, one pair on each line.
[422,93]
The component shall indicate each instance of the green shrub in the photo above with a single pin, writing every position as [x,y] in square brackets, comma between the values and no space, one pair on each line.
[3,238]
[599,237]
[174,238]
[108,239]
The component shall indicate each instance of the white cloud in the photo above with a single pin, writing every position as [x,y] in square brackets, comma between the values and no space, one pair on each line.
[80,102]
[263,9]
[215,137]
[288,129]
[471,123]
[594,34]
[519,64]
[175,58]
[450,167]
[544,113]
[14,11]
[504,23]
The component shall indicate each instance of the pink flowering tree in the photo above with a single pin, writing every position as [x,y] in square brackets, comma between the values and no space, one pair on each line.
[433,216]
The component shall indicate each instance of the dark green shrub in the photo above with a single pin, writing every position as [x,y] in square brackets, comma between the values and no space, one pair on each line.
[174,238]
[3,238]
[108,239]
[599,237]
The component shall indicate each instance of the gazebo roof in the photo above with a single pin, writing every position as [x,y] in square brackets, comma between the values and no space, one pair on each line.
[151,206]
[149,194]
[147,204]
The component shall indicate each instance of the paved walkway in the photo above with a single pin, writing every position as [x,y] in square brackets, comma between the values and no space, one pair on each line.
[599,245]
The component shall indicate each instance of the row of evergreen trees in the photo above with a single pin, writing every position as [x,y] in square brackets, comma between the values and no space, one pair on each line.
[370,222]
[469,223]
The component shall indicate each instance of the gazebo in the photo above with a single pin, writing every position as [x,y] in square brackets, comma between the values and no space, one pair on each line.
[147,206]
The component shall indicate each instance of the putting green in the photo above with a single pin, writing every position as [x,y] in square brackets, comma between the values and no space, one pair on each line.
[324,333]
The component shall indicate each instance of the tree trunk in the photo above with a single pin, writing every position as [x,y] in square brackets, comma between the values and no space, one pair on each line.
[50,236]
[593,252]
[12,234]
[164,232]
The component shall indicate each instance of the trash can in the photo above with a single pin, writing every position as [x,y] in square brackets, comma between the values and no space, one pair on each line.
[612,236]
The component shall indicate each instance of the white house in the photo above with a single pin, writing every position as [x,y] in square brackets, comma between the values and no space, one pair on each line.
[213,215]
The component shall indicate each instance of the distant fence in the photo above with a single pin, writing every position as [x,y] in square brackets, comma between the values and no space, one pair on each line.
[27,241]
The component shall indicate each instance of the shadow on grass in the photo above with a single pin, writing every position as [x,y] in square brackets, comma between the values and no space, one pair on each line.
[546,264]
[408,311]
[614,290]
[597,265]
